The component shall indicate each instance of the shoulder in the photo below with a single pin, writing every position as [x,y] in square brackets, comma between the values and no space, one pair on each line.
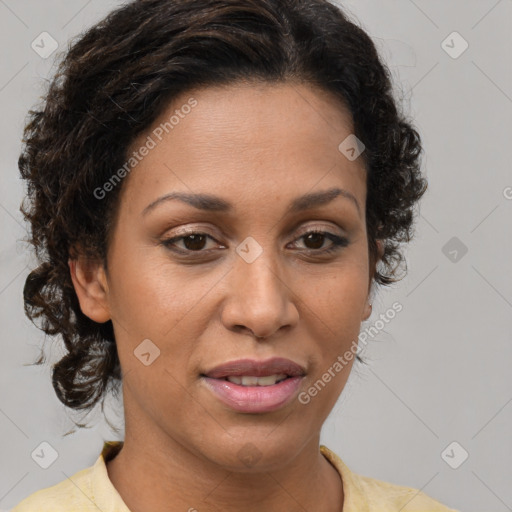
[88,490]
[391,497]
[69,494]
[371,495]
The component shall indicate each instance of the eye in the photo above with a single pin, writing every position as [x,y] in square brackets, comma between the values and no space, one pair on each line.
[193,242]
[316,238]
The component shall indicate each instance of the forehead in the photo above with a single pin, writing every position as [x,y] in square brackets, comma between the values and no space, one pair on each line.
[262,138]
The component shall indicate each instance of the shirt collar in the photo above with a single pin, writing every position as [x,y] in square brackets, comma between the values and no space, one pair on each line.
[104,493]
[354,498]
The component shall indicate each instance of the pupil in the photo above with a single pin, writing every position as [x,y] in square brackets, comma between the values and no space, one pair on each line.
[318,237]
[196,242]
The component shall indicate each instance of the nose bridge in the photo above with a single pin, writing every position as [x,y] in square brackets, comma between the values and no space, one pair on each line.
[259,297]
[260,268]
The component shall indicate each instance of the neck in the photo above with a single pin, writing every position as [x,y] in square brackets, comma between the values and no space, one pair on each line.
[159,474]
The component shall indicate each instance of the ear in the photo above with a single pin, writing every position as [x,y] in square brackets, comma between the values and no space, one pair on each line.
[90,282]
[373,268]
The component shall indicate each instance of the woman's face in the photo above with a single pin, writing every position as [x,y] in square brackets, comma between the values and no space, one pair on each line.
[258,164]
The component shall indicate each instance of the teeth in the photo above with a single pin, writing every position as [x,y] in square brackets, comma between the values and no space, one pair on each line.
[270,380]
[249,381]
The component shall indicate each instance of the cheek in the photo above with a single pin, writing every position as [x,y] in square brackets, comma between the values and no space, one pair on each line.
[335,305]
[338,295]
[151,295]
[154,299]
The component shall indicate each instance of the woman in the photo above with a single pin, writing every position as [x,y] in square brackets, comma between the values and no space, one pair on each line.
[214,189]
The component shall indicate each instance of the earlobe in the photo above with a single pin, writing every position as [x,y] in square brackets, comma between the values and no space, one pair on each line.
[373,269]
[380,248]
[374,261]
[90,283]
[367,311]
[380,252]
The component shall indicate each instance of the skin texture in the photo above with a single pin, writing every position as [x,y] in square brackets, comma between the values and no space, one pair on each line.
[258,146]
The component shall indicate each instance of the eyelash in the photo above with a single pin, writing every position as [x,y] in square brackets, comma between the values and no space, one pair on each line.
[337,242]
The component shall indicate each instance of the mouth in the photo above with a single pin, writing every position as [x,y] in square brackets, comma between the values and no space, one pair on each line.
[251,380]
[252,386]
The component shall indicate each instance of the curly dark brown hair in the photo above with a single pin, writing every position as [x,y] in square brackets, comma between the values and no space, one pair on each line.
[115,80]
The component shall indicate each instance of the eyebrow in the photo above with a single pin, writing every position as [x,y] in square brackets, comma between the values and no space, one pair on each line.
[211,203]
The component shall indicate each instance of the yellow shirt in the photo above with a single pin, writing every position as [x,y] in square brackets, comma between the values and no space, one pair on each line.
[90,490]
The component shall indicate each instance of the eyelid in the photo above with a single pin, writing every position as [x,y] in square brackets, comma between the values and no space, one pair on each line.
[337,242]
[320,227]
[301,231]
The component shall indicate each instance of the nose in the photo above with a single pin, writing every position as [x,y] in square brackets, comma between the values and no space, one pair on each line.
[259,297]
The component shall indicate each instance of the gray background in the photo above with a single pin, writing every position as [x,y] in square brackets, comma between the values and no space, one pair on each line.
[440,372]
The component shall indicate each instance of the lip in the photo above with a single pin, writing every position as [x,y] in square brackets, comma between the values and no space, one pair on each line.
[274,366]
[255,399]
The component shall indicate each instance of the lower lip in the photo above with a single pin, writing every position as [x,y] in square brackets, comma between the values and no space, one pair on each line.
[254,399]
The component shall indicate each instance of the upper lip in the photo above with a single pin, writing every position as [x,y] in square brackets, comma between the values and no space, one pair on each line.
[254,368]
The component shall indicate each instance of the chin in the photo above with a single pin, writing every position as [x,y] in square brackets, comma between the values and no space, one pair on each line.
[254,450]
